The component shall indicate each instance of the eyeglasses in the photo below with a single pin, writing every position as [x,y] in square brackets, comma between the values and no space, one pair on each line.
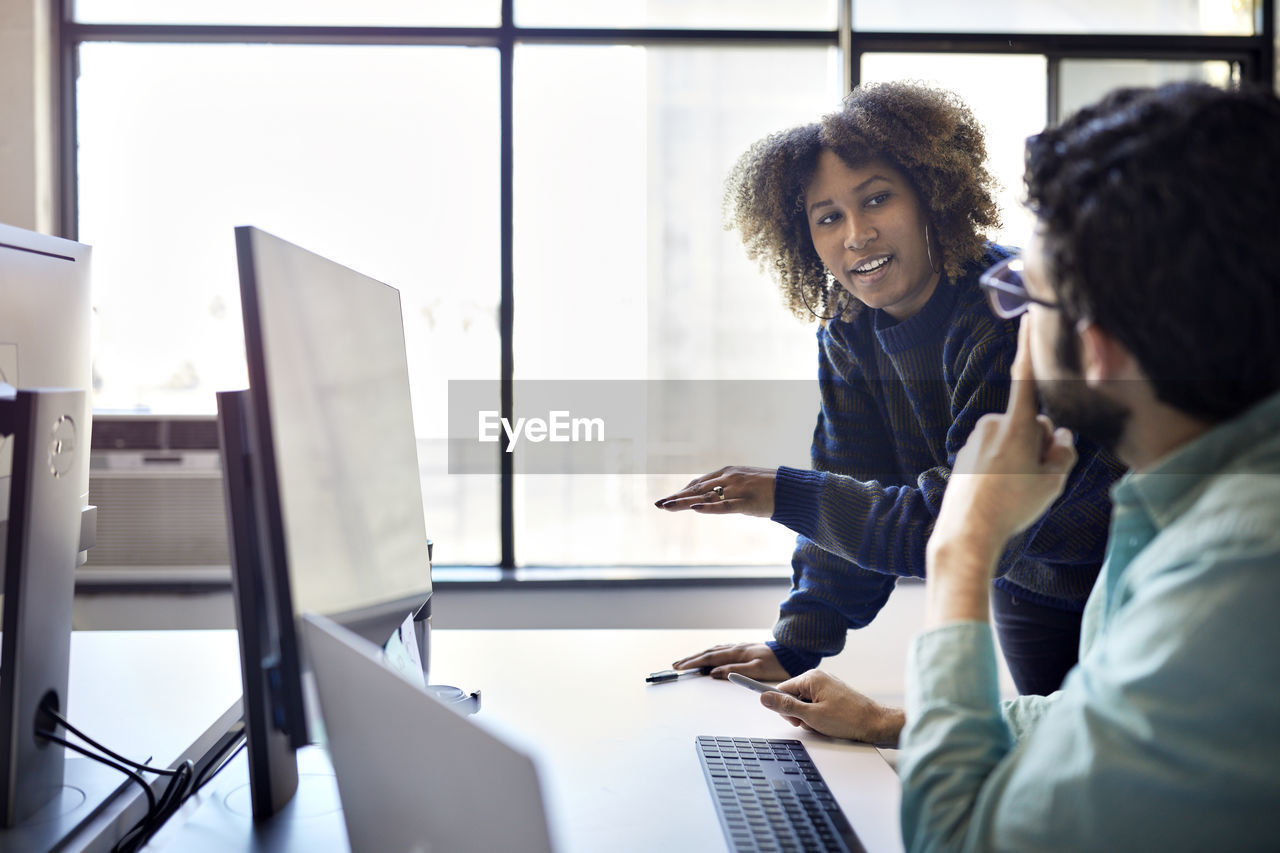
[1006,292]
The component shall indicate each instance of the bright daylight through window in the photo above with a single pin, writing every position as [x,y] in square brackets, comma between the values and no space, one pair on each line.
[383,152]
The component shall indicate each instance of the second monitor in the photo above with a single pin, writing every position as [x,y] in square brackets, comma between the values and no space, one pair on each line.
[323,489]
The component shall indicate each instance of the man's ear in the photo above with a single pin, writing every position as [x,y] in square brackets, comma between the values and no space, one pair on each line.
[1102,357]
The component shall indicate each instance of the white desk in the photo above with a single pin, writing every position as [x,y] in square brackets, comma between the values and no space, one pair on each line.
[151,692]
[616,754]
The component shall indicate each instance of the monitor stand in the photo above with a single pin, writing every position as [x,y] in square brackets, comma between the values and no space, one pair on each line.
[220,817]
[44,795]
[86,788]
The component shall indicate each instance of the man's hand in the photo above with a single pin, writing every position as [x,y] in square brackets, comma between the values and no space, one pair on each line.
[823,703]
[736,489]
[1007,474]
[751,659]
[1012,467]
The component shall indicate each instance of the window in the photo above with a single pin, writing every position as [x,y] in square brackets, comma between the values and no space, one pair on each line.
[1144,17]
[623,272]
[389,134]
[353,148]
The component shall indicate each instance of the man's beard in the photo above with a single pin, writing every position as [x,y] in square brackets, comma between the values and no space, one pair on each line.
[1070,403]
[1073,404]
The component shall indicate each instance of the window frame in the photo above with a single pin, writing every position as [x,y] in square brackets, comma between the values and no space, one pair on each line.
[1253,56]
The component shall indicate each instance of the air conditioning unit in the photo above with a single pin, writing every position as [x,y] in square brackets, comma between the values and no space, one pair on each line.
[157,484]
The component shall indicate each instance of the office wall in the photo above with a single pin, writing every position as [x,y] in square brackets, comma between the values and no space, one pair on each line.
[27,127]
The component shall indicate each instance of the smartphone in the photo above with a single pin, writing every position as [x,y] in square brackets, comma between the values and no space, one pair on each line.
[752,684]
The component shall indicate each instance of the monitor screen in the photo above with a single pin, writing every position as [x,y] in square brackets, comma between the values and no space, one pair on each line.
[329,380]
[321,475]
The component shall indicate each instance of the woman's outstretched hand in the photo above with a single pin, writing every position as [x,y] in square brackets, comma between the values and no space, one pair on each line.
[755,660]
[735,489]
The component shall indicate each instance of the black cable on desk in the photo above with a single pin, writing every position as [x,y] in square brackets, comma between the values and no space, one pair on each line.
[184,781]
[179,788]
[75,747]
[159,771]
[177,791]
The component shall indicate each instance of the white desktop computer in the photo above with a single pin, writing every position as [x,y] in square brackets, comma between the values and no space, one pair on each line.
[44,476]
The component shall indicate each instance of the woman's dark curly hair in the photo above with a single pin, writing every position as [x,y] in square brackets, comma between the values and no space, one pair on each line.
[1158,211]
[927,134]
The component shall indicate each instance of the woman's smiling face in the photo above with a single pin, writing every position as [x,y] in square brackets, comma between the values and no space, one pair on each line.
[868,227]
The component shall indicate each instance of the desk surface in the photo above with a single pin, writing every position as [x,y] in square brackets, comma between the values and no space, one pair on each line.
[616,755]
[123,682]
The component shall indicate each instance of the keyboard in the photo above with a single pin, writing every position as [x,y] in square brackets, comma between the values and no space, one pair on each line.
[770,797]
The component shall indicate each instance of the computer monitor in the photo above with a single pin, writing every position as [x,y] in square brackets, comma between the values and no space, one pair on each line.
[44,330]
[320,468]
[44,475]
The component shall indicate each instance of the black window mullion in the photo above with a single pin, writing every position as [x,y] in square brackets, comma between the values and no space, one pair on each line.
[1265,70]
[1064,44]
[850,62]
[67,52]
[283,34]
[1053,89]
[666,37]
[506,298]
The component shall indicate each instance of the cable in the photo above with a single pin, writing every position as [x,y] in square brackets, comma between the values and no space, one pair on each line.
[175,793]
[179,788]
[159,771]
[214,767]
[75,747]
[182,784]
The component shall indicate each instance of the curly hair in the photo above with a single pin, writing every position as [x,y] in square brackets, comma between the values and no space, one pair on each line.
[1158,209]
[927,134]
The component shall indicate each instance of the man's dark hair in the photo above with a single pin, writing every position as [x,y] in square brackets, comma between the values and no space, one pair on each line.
[1161,217]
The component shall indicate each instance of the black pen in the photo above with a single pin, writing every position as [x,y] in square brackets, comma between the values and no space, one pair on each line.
[673,674]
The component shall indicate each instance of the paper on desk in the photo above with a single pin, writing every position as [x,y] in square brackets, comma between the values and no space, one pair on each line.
[401,653]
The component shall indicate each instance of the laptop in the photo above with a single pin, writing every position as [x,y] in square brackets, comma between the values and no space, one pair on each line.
[413,774]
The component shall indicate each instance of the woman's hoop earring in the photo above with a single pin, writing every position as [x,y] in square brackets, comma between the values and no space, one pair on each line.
[928,248]
[839,300]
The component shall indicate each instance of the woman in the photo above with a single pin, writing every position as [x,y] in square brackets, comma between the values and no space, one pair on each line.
[873,221]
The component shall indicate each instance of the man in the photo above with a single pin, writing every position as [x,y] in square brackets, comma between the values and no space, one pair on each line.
[1152,295]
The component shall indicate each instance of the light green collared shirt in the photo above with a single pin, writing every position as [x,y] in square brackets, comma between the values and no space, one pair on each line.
[1166,735]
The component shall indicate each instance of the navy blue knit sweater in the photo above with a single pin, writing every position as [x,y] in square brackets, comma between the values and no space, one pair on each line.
[898,402]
